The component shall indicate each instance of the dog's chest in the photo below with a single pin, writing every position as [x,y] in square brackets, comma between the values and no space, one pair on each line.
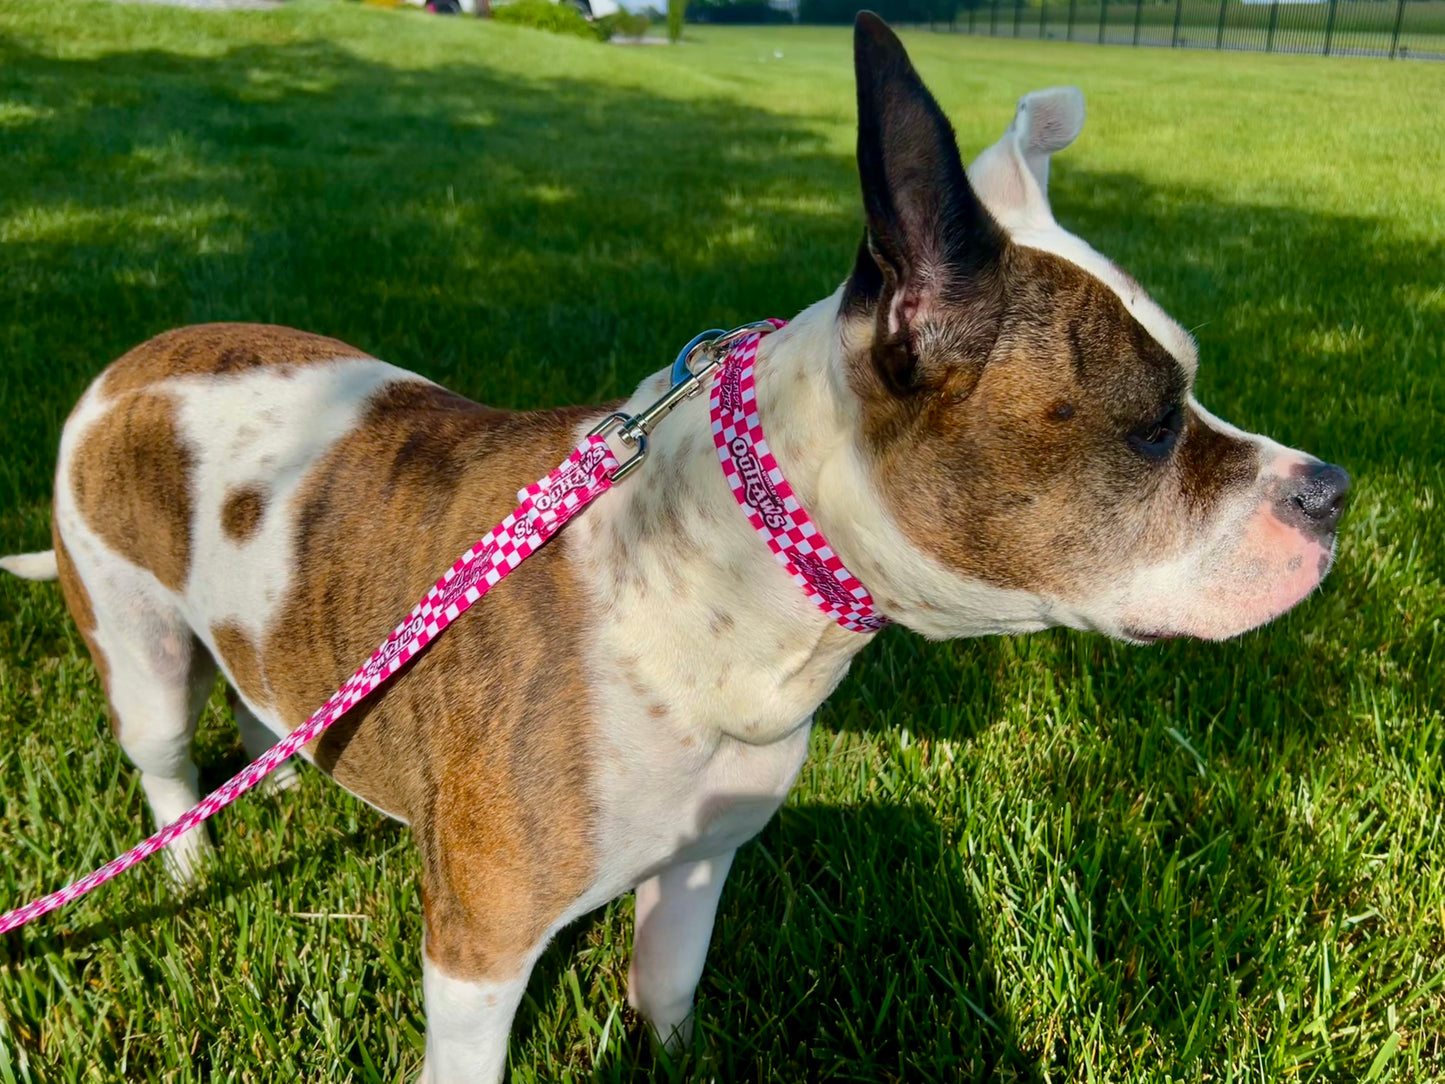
[672,795]
[698,750]
[707,664]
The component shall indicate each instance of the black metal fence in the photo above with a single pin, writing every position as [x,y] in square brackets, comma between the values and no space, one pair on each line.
[1382,28]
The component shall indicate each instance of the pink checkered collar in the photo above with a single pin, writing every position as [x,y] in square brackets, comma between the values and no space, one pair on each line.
[769,502]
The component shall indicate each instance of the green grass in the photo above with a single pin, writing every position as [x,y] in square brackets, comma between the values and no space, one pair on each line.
[1045,859]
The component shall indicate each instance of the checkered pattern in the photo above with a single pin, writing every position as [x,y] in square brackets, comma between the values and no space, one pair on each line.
[764,494]
[544,508]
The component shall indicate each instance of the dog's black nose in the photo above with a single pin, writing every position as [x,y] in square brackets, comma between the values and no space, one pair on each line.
[1314,499]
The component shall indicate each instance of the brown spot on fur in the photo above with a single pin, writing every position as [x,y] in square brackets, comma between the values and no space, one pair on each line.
[236,651]
[131,476]
[1211,463]
[241,512]
[657,711]
[77,599]
[634,681]
[678,582]
[719,622]
[482,743]
[218,350]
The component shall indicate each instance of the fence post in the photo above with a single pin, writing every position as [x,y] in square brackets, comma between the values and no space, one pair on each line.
[1103,18]
[1018,15]
[1395,37]
[1219,36]
[1138,18]
[1073,6]
[1178,14]
[1330,26]
[993,19]
[1043,19]
[972,11]
[1273,22]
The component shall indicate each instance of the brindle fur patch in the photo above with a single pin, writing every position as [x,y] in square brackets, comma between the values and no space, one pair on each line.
[985,473]
[236,650]
[131,476]
[481,742]
[242,511]
[218,350]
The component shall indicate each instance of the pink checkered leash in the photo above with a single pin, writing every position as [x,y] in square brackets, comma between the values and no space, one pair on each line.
[586,474]
[591,469]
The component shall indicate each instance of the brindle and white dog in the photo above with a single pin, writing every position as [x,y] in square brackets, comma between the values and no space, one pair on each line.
[990,421]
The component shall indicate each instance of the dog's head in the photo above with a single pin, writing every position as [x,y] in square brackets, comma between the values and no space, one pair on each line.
[1025,407]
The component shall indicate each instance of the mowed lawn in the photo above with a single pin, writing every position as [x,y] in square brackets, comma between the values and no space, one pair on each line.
[1045,859]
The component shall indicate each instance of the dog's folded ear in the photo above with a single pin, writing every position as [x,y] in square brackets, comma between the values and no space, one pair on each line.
[929,238]
[1012,176]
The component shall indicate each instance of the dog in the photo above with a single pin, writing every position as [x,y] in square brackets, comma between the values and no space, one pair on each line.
[990,422]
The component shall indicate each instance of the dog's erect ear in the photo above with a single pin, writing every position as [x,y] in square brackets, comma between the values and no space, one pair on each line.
[1012,176]
[928,235]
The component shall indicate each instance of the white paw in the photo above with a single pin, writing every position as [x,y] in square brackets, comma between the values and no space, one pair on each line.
[671,1025]
[187,855]
[282,779]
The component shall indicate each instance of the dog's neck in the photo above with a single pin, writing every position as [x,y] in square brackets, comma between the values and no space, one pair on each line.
[696,597]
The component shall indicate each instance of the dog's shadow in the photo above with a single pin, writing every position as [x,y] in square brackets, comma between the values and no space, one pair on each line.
[842,927]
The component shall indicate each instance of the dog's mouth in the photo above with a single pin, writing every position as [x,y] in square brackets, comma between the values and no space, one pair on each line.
[1140,636]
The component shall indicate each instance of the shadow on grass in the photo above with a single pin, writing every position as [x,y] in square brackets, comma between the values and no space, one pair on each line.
[868,939]
[214,888]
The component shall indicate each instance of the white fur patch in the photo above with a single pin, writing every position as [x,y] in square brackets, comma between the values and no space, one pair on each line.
[467,1025]
[268,429]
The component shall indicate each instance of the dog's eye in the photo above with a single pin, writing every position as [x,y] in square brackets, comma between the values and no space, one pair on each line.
[1155,440]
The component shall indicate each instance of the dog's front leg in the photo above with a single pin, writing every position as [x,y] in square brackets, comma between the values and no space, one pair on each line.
[675,912]
[467,1024]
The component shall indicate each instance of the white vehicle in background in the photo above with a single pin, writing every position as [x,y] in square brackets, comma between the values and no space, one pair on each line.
[590,9]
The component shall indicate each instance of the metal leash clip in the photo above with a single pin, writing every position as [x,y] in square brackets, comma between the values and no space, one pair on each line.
[709,349]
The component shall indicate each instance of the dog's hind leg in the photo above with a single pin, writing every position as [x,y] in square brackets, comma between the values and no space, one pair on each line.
[257,737]
[158,687]
[157,677]
[675,913]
